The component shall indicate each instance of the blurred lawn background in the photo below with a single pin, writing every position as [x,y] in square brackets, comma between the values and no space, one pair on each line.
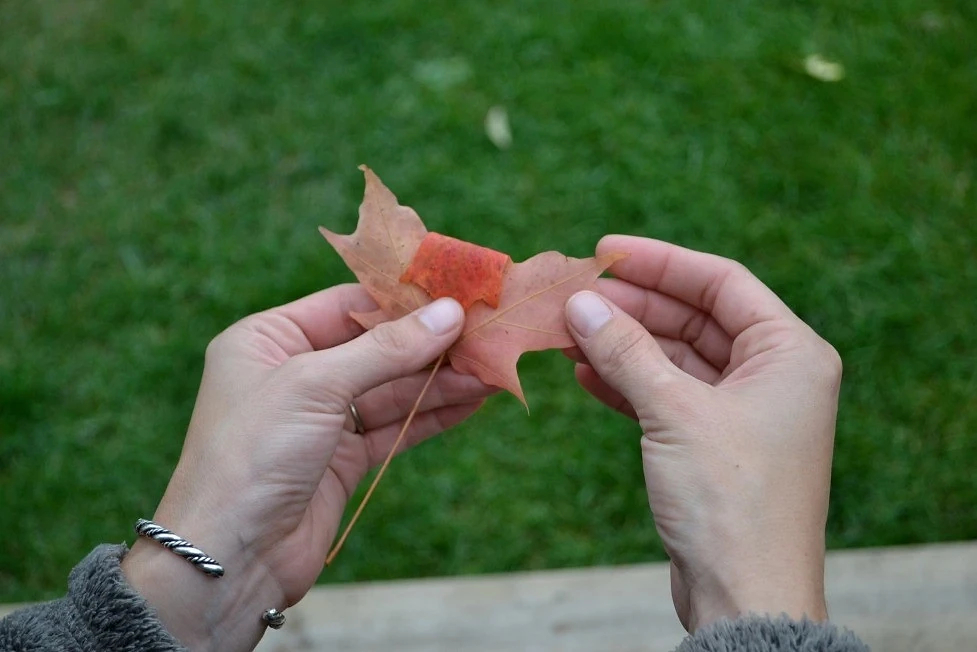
[164,165]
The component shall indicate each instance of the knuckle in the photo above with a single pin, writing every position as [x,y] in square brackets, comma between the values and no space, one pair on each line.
[680,356]
[393,342]
[624,350]
[403,395]
[675,403]
[297,370]
[671,390]
[221,344]
[301,380]
[709,294]
[739,272]
[694,327]
[831,364]
[374,452]
[824,362]
[441,421]
[247,329]
[736,268]
[214,348]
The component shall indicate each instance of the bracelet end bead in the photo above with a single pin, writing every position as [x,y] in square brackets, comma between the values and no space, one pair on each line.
[273,618]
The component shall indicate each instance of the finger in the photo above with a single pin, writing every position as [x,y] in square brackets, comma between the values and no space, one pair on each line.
[356,454]
[685,357]
[626,356]
[393,401]
[391,350]
[574,353]
[674,319]
[718,286]
[424,426]
[323,317]
[681,354]
[603,392]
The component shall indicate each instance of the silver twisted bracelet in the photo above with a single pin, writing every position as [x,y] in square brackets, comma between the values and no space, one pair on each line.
[180,546]
[146,528]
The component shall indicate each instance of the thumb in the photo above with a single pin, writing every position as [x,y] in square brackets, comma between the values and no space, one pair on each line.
[622,352]
[389,351]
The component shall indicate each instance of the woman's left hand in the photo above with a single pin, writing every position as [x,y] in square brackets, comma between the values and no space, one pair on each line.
[271,456]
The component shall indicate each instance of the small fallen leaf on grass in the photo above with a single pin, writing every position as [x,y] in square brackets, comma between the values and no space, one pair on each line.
[822,69]
[442,74]
[497,127]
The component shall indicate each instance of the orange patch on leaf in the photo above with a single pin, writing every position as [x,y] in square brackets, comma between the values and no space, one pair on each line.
[447,267]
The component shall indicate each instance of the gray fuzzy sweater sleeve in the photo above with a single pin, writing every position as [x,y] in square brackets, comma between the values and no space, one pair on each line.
[763,634]
[103,613]
[100,612]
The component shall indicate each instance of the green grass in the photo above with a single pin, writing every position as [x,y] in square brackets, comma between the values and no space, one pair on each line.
[163,166]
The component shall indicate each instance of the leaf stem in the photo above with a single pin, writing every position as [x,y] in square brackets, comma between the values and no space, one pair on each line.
[383,468]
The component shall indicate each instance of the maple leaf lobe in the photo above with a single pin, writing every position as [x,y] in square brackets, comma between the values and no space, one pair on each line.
[448,267]
[380,249]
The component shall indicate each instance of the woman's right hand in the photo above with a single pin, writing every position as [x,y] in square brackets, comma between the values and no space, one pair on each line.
[737,399]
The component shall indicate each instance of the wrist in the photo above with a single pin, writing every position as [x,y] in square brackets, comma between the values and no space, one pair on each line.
[797,603]
[791,585]
[203,612]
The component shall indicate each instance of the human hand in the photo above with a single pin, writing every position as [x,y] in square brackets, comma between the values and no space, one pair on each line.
[737,400]
[271,456]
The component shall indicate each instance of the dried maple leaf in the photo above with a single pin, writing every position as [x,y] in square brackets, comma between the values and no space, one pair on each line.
[390,244]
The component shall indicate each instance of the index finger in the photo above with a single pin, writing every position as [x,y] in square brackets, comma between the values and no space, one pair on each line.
[718,286]
[323,317]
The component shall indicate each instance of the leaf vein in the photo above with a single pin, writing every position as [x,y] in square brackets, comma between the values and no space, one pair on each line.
[544,331]
[528,297]
[383,274]
[478,364]
[401,265]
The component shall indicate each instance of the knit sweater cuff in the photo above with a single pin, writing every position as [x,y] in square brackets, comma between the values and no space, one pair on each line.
[117,617]
[100,613]
[764,634]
